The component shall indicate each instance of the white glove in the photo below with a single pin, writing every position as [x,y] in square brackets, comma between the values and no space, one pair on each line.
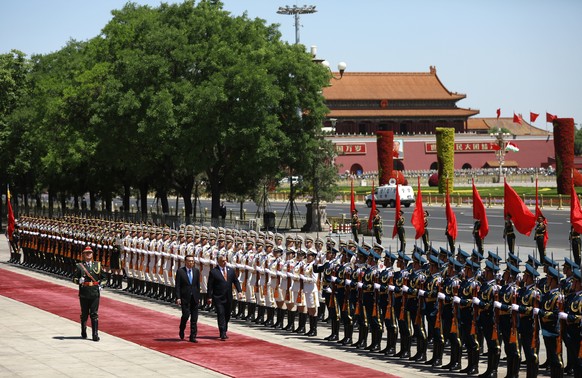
[456,299]
[376,286]
[328,290]
[100,287]
[421,293]
[441,296]
[348,282]
[391,287]
[81,280]
[536,310]
[562,315]
[497,304]
[476,301]
[301,276]
[289,274]
[360,285]
[333,279]
[405,288]
[514,307]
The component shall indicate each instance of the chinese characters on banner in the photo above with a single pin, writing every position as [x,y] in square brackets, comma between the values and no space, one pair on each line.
[431,148]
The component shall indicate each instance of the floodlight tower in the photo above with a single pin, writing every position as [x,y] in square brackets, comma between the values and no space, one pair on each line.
[296,11]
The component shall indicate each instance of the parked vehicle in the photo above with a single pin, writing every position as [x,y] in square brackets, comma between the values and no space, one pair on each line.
[386,195]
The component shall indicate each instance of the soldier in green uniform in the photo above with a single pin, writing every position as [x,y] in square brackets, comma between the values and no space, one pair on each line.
[509,234]
[89,276]
[377,227]
[575,241]
[355,223]
[401,233]
[425,236]
[539,236]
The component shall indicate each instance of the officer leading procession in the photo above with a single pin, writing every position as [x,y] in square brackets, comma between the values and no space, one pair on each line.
[429,306]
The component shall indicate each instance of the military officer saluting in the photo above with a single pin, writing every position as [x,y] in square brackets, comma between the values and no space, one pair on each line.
[89,276]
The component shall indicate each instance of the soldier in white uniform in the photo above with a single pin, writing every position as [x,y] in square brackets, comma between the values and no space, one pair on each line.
[310,291]
[285,287]
[297,294]
[247,282]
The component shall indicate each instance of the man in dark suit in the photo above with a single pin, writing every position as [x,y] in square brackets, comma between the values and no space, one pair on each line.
[188,296]
[220,281]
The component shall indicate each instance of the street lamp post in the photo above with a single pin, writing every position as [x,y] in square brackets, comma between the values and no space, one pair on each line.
[296,11]
[500,153]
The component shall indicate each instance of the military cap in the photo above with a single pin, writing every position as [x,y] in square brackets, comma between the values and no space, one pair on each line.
[212,236]
[513,270]
[312,251]
[278,249]
[204,229]
[348,251]
[260,242]
[269,243]
[572,264]
[334,250]
[203,235]
[351,243]
[477,254]
[464,254]
[435,260]
[535,263]
[378,246]
[319,241]
[229,238]
[512,257]
[553,272]
[366,245]
[166,231]
[291,251]
[229,231]
[270,235]
[342,243]
[548,261]
[403,256]
[418,249]
[331,242]
[299,239]
[390,255]
[473,265]
[301,251]
[278,236]
[221,230]
[492,266]
[577,274]
[250,241]
[418,257]
[212,229]
[244,233]
[374,255]
[495,257]
[309,238]
[457,264]
[531,270]
[363,252]
[239,240]
[221,237]
[289,238]
[87,250]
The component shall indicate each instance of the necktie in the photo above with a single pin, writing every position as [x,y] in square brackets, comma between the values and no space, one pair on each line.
[224,272]
[190,276]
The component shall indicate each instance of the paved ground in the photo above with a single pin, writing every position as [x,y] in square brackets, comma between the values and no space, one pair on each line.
[37,343]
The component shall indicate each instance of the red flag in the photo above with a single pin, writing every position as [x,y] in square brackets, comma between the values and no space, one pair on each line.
[451,218]
[516,118]
[495,147]
[352,200]
[479,213]
[575,211]
[397,214]
[498,113]
[533,116]
[417,218]
[372,210]
[10,229]
[550,117]
[523,219]
[539,214]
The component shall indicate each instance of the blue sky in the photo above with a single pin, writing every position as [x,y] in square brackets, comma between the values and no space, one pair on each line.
[517,55]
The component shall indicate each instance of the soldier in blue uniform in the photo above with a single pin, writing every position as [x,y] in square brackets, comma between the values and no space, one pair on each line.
[551,304]
[399,303]
[370,311]
[344,272]
[528,299]
[328,270]
[450,315]
[89,276]
[569,289]
[386,302]
[468,289]
[485,305]
[432,309]
[415,304]
[508,319]
[572,316]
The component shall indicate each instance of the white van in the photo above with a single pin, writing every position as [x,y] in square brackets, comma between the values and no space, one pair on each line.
[386,195]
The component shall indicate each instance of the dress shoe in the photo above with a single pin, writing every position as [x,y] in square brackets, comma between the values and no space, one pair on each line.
[181,335]
[192,339]
[223,337]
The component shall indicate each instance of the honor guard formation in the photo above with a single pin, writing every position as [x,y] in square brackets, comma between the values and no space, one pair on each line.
[404,306]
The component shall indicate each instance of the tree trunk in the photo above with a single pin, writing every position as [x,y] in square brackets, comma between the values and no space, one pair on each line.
[92,201]
[196,194]
[215,190]
[143,197]
[163,196]
[108,198]
[76,203]
[50,203]
[63,201]
[126,197]
[186,193]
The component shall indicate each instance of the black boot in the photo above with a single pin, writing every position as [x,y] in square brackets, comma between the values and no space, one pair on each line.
[279,322]
[359,342]
[95,329]
[302,322]
[405,342]
[334,328]
[490,359]
[260,319]
[84,329]
[438,353]
[251,315]
[270,315]
[348,333]
[469,362]
[312,326]
[321,312]
[474,370]
[241,310]
[455,357]
[532,369]
[290,321]
[421,346]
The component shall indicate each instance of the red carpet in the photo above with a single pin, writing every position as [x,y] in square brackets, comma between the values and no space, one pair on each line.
[239,356]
